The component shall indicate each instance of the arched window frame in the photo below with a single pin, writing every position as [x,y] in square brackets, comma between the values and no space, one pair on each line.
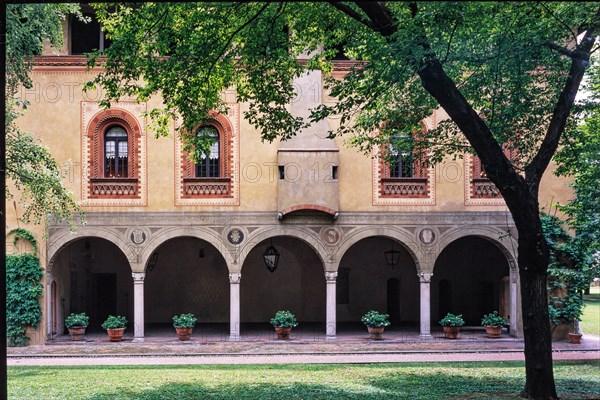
[206,168]
[120,170]
[101,186]
[396,184]
[210,187]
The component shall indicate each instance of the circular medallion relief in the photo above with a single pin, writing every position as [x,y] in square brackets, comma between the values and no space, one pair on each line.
[137,236]
[330,236]
[427,236]
[235,236]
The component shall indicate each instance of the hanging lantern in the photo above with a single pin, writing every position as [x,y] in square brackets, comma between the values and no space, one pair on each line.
[271,257]
[392,257]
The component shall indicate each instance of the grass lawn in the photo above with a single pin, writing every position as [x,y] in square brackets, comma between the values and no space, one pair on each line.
[590,321]
[499,380]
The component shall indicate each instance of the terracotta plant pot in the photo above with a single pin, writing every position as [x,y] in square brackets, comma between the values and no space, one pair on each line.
[493,332]
[451,332]
[77,332]
[115,334]
[283,333]
[375,333]
[575,338]
[184,333]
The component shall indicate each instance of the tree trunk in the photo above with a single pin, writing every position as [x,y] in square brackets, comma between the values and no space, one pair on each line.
[533,259]
[533,262]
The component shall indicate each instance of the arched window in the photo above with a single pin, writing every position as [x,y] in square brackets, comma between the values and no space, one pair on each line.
[209,165]
[116,153]
[401,157]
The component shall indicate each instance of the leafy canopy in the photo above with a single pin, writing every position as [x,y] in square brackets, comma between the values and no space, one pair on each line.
[29,165]
[506,58]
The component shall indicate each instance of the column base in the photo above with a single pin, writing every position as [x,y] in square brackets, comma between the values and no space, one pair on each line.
[426,337]
[330,337]
[138,339]
[234,338]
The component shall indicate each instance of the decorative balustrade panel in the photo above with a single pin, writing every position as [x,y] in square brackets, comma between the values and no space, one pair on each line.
[204,187]
[406,187]
[114,187]
[485,188]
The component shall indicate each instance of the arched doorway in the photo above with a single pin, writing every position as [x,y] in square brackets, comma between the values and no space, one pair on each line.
[186,275]
[90,275]
[297,285]
[367,282]
[470,278]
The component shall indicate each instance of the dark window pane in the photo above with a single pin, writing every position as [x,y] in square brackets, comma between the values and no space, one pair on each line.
[85,37]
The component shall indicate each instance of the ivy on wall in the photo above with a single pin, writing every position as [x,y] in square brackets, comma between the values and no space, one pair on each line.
[23,291]
[567,274]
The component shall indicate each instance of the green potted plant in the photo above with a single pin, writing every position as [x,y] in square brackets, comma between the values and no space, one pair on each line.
[115,326]
[451,324]
[376,323]
[493,324]
[184,324]
[77,323]
[283,322]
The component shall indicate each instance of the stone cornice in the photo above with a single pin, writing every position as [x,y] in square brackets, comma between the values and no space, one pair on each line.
[405,219]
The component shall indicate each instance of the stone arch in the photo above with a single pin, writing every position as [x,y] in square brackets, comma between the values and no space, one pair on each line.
[201,233]
[95,131]
[58,242]
[504,242]
[399,235]
[311,239]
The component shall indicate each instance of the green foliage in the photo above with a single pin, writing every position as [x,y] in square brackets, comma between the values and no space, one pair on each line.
[114,322]
[493,51]
[24,234]
[579,158]
[493,319]
[29,165]
[567,274]
[23,292]
[452,320]
[375,319]
[284,319]
[80,319]
[184,321]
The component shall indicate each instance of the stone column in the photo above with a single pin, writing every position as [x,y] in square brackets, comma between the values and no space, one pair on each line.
[514,318]
[331,324]
[138,306]
[425,285]
[234,306]
[49,316]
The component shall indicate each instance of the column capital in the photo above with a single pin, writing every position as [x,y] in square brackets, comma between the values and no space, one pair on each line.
[425,277]
[330,277]
[138,276]
[235,278]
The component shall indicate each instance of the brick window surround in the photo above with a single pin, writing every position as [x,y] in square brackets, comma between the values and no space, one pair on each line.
[101,187]
[415,186]
[210,187]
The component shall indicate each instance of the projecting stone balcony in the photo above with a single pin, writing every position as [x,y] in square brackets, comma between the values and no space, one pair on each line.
[404,187]
[114,187]
[484,188]
[201,187]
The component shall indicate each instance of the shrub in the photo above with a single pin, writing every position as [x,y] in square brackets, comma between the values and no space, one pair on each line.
[452,320]
[493,319]
[284,319]
[184,321]
[23,292]
[80,319]
[113,322]
[375,319]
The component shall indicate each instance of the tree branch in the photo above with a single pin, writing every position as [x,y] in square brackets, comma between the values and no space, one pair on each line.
[535,169]
[352,14]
